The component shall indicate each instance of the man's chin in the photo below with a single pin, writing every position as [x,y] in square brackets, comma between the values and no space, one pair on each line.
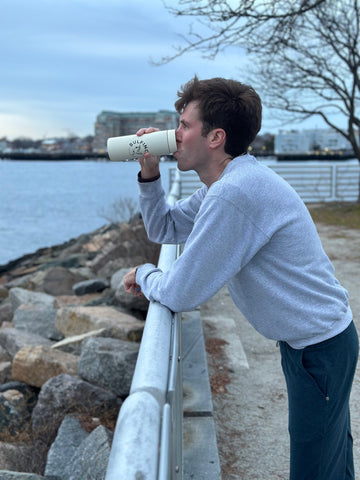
[183,168]
[181,165]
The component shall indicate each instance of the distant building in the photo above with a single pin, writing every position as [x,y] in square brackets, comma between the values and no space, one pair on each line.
[115,124]
[51,145]
[311,142]
[3,145]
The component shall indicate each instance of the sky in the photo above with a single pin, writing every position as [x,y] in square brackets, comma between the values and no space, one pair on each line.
[64,61]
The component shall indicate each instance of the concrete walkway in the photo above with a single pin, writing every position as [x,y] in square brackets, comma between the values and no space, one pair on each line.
[248,388]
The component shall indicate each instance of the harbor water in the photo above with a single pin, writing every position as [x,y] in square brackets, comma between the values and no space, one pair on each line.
[45,203]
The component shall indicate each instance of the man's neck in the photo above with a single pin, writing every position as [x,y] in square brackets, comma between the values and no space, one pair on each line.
[214,170]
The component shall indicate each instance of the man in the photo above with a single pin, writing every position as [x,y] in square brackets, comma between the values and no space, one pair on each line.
[248,229]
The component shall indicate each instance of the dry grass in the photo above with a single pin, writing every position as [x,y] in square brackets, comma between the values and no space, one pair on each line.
[345,214]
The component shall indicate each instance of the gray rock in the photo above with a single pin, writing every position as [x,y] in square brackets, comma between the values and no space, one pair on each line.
[73,344]
[69,437]
[91,457]
[123,298]
[3,292]
[6,312]
[85,272]
[60,280]
[126,246]
[31,281]
[12,340]
[7,475]
[40,321]
[14,457]
[19,296]
[35,365]
[63,395]
[4,356]
[90,286]
[5,372]
[82,319]
[130,302]
[109,363]
[117,278]
[75,260]
[110,251]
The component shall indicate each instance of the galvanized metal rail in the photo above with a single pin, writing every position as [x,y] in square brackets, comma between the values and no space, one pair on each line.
[315,181]
[147,443]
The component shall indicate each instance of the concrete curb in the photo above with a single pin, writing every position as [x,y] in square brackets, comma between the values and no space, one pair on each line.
[200,451]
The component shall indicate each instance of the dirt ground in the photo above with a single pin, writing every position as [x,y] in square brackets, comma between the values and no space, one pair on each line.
[249,393]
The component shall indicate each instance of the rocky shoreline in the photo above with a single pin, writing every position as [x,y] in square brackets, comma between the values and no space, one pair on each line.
[69,338]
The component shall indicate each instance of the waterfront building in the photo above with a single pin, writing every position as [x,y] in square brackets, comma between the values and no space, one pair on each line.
[3,145]
[314,142]
[115,124]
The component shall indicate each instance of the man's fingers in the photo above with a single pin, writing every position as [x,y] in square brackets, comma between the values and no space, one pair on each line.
[141,131]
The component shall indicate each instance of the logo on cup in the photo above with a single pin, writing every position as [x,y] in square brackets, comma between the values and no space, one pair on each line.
[137,148]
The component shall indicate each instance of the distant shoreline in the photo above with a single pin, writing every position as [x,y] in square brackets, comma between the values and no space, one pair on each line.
[63,156]
[53,156]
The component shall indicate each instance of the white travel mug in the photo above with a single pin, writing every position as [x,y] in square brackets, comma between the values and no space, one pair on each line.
[133,146]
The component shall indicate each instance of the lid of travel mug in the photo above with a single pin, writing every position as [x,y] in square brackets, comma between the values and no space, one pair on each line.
[171,141]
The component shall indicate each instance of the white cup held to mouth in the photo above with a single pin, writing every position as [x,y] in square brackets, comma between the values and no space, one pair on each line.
[133,146]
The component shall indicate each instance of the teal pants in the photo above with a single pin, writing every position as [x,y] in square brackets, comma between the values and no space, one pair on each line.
[319,380]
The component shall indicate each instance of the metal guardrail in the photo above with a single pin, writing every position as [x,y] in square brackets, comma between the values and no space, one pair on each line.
[147,442]
[315,181]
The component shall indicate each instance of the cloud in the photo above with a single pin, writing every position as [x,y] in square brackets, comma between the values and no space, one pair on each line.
[64,61]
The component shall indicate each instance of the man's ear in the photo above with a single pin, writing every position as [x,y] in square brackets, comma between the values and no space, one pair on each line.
[217,138]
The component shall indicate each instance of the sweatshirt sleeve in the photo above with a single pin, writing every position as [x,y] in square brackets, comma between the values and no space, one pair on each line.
[163,223]
[222,241]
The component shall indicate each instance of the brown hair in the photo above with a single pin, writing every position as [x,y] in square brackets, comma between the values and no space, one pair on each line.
[227,104]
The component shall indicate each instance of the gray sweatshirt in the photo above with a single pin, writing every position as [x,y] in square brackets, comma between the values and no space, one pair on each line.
[250,231]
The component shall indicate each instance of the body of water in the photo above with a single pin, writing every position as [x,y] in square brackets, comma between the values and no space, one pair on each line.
[47,203]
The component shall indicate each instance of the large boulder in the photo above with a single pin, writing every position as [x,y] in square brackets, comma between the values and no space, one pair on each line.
[5,372]
[40,321]
[60,280]
[69,437]
[6,312]
[92,285]
[73,344]
[81,319]
[65,394]
[35,365]
[109,363]
[4,292]
[122,247]
[91,458]
[4,356]
[12,340]
[124,299]
[19,296]
[15,457]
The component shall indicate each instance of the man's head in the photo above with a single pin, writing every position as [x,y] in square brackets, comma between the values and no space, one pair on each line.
[226,104]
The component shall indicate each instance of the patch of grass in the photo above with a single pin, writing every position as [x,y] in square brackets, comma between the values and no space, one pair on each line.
[344,214]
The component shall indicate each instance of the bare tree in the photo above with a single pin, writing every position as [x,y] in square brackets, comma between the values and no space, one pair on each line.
[122,210]
[305,53]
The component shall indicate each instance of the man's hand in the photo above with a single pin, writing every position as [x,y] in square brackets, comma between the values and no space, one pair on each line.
[130,284]
[149,164]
